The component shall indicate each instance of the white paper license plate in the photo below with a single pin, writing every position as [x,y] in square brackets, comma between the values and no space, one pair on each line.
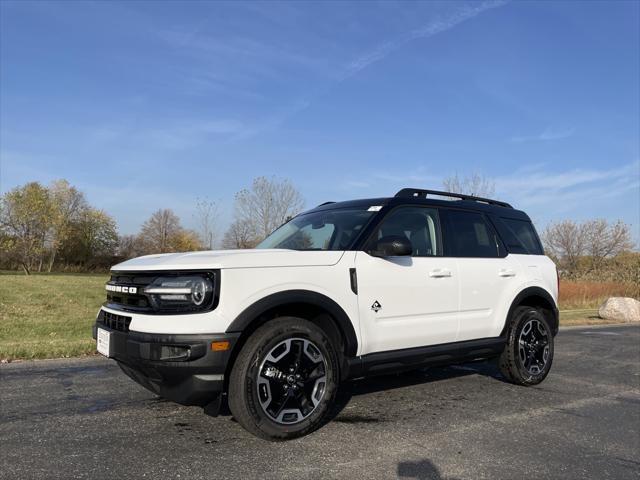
[103,341]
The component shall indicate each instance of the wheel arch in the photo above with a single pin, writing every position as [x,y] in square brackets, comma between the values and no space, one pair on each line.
[535,297]
[313,306]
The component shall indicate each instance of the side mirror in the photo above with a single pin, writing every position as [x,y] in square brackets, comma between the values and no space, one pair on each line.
[392,246]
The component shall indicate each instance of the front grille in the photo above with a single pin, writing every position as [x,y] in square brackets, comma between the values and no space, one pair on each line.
[113,321]
[128,301]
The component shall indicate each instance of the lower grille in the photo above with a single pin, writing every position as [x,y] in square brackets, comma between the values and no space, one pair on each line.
[113,321]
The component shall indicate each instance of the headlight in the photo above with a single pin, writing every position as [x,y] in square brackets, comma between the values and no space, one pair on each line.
[181,293]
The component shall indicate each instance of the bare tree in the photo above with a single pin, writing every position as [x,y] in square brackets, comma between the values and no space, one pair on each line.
[207,217]
[475,184]
[267,205]
[596,240]
[130,246]
[604,240]
[566,242]
[159,229]
[239,235]
[162,233]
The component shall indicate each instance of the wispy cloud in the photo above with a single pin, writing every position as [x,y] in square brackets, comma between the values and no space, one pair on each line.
[170,135]
[438,25]
[383,182]
[548,193]
[548,133]
[433,27]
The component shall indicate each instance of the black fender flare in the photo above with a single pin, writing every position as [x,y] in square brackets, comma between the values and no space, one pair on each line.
[308,297]
[538,292]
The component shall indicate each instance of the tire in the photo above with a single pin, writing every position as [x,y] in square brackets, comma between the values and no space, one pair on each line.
[284,381]
[528,355]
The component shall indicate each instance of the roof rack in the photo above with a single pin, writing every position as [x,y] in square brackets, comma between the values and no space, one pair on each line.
[325,203]
[417,192]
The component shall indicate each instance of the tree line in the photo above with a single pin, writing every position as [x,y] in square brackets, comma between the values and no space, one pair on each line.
[46,228]
[53,227]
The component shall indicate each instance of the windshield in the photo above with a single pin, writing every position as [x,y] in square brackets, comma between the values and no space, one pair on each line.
[326,230]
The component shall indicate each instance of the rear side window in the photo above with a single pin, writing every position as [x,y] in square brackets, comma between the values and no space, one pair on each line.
[470,235]
[520,236]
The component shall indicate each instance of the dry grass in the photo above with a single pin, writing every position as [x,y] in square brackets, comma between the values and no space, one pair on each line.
[582,317]
[590,295]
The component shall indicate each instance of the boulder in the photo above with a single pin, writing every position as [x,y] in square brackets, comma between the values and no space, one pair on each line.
[621,309]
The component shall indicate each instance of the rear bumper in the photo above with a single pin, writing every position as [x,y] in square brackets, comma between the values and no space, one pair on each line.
[195,378]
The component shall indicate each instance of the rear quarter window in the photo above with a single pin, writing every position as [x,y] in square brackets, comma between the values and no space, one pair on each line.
[519,236]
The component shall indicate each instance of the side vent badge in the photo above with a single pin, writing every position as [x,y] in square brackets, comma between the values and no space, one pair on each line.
[376,307]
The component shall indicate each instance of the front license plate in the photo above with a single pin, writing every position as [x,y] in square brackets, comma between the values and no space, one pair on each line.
[103,342]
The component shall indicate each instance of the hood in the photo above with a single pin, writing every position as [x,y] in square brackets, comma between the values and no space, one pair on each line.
[214,259]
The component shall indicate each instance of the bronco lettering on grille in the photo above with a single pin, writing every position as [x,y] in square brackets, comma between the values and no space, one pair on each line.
[121,289]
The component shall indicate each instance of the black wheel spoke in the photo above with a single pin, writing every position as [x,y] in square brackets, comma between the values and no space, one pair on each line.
[315,374]
[299,355]
[282,405]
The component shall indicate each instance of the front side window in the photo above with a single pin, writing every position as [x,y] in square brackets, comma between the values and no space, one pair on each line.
[470,235]
[325,230]
[419,225]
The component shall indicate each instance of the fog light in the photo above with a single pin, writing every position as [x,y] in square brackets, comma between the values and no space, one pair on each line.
[174,353]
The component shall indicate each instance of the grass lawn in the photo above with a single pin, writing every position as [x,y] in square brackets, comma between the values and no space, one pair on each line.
[582,317]
[48,316]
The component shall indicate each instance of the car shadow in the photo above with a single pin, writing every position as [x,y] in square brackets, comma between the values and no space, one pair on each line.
[420,470]
[354,388]
[421,376]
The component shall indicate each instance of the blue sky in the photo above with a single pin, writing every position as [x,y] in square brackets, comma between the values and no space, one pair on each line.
[146,105]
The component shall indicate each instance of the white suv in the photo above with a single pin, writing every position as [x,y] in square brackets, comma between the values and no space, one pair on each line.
[345,290]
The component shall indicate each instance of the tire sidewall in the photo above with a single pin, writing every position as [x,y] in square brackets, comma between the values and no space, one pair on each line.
[268,339]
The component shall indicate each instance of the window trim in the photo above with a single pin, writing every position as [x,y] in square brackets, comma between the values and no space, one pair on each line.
[367,244]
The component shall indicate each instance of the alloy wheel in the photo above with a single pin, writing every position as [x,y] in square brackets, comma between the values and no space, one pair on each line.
[292,380]
[533,346]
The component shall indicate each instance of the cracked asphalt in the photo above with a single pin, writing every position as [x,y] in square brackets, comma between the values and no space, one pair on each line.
[83,418]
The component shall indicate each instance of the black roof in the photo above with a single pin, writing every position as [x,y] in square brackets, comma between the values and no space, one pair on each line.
[414,196]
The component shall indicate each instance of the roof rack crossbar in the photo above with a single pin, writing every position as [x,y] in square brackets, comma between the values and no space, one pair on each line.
[418,192]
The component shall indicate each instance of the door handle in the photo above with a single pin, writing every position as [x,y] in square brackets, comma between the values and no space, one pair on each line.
[439,273]
[507,272]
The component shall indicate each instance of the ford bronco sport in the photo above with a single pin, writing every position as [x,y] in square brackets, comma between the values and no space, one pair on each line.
[342,291]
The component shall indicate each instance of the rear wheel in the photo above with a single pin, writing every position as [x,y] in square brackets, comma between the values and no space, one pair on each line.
[284,380]
[527,357]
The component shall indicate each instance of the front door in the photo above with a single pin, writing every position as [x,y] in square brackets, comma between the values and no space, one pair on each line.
[408,301]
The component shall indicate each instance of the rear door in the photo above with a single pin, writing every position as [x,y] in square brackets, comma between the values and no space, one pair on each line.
[488,277]
[408,301]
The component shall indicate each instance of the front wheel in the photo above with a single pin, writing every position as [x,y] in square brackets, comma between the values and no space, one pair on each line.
[284,380]
[527,357]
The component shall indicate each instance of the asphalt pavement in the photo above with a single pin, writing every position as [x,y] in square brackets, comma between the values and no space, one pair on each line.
[84,418]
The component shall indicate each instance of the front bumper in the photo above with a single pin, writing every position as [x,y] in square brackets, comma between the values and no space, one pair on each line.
[197,379]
